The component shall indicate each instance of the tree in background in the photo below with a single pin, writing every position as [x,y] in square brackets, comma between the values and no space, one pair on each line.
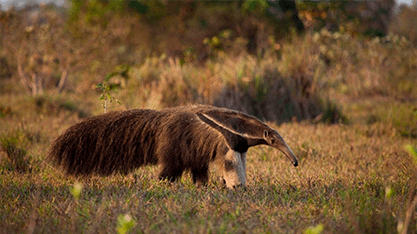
[95,36]
[405,23]
[36,46]
[367,18]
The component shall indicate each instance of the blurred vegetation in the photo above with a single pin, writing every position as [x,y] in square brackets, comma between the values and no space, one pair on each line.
[276,60]
[279,61]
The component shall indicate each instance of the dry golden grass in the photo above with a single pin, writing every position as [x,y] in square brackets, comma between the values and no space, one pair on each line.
[342,182]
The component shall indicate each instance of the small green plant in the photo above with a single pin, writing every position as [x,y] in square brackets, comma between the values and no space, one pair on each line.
[105,87]
[256,6]
[105,95]
[314,230]
[388,192]
[403,225]
[125,223]
[76,190]
[413,152]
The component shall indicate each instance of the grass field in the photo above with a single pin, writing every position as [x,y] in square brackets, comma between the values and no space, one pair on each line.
[353,178]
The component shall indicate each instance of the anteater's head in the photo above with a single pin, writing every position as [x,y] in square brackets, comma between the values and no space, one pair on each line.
[275,140]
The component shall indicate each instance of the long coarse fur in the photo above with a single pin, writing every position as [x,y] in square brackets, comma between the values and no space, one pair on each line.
[179,139]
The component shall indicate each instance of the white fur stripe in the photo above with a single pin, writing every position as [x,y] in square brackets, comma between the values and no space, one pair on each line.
[231,130]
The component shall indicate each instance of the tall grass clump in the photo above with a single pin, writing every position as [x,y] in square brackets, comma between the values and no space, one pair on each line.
[13,157]
[332,113]
[164,82]
[361,66]
[350,65]
[302,69]
[242,82]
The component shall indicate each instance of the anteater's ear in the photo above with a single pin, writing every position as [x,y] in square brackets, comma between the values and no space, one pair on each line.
[266,134]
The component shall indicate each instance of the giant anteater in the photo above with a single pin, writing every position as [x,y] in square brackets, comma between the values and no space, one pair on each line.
[179,139]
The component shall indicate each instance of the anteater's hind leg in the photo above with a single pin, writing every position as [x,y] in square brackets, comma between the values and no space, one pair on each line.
[170,173]
[200,176]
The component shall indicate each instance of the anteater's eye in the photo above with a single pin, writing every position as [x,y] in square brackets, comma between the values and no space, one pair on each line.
[272,140]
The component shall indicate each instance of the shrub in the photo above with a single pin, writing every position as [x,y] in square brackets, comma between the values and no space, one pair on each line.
[5,111]
[332,114]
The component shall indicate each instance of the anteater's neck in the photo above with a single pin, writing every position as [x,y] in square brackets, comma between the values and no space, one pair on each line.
[236,140]
[256,141]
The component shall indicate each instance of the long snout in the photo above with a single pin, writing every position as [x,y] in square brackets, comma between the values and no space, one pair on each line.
[290,155]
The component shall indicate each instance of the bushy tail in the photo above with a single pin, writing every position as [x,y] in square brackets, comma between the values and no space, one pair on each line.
[105,144]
